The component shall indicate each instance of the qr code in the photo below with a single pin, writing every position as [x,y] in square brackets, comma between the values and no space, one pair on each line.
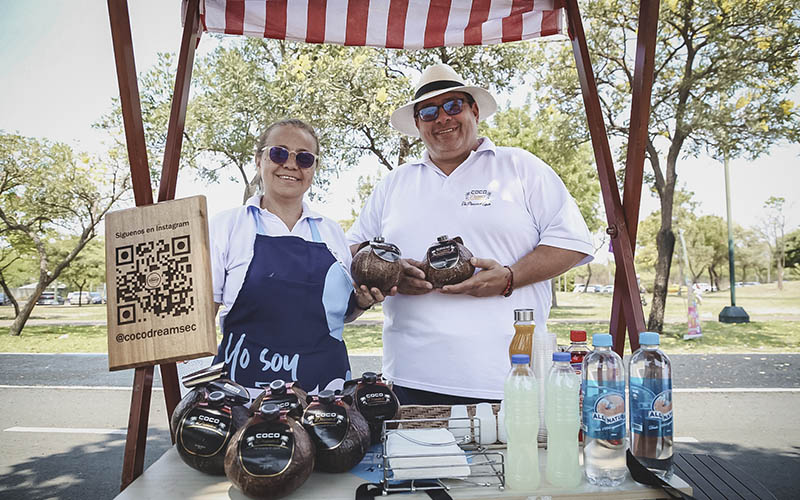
[154,278]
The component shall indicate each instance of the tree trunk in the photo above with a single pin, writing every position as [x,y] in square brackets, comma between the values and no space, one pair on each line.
[10,296]
[665,242]
[553,289]
[23,315]
[714,278]
[588,278]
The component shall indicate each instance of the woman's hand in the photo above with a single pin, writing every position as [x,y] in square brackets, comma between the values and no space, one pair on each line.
[367,297]
[490,281]
[412,278]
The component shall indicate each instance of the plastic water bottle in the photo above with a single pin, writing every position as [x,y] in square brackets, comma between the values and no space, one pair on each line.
[522,425]
[603,387]
[650,388]
[563,389]
[544,345]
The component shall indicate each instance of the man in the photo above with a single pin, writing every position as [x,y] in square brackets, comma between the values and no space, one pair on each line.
[450,346]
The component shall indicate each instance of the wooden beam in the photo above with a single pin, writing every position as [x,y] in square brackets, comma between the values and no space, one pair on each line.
[634,165]
[617,229]
[129,100]
[180,99]
[135,443]
[172,390]
[172,156]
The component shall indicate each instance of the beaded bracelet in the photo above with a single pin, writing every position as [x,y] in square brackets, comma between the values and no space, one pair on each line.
[509,284]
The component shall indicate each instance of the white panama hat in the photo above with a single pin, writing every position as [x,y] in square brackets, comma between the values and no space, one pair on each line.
[436,80]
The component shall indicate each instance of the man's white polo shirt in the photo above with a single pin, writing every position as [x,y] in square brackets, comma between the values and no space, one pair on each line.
[503,202]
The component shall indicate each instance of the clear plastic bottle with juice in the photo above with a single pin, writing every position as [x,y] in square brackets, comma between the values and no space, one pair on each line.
[522,343]
[578,350]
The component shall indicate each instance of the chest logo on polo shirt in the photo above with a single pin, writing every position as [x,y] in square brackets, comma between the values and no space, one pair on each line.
[477,198]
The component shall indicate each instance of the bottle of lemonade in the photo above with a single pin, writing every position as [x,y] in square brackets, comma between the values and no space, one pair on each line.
[522,424]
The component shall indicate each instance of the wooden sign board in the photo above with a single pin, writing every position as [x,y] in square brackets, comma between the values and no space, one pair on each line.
[158,272]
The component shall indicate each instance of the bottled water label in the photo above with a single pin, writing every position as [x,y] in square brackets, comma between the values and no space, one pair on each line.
[604,410]
[651,406]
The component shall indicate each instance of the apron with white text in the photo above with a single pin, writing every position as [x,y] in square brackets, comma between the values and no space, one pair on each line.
[287,320]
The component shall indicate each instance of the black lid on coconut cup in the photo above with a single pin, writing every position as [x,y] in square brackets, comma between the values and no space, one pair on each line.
[326,396]
[270,411]
[369,377]
[277,387]
[216,399]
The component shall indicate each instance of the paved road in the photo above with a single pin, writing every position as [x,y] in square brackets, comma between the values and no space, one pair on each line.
[68,442]
[690,370]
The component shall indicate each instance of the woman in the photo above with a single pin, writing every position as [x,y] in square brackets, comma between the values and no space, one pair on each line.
[281,271]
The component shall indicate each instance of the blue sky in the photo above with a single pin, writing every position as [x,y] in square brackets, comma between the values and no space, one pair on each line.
[58,77]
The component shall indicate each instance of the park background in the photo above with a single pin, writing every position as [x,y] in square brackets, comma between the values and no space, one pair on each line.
[57,96]
[60,87]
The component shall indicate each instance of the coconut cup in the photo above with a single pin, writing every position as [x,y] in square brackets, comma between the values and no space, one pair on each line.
[270,456]
[447,262]
[375,400]
[236,394]
[205,423]
[339,432]
[377,265]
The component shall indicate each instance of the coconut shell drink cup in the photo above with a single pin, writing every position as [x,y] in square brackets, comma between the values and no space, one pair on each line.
[447,262]
[377,265]
[375,400]
[204,422]
[339,432]
[270,456]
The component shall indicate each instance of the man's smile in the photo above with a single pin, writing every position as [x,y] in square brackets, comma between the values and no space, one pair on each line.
[287,177]
[445,131]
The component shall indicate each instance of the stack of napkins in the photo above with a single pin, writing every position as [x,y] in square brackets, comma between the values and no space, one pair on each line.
[430,445]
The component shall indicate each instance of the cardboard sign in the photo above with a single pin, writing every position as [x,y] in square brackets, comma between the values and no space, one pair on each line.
[158,274]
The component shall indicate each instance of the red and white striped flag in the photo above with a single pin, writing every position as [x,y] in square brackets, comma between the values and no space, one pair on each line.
[398,24]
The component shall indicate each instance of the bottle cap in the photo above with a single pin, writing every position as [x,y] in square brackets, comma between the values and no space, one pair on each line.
[520,359]
[369,377]
[649,338]
[277,387]
[601,340]
[577,336]
[270,411]
[216,399]
[561,356]
[523,314]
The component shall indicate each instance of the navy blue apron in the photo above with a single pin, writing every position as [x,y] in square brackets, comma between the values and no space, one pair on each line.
[287,320]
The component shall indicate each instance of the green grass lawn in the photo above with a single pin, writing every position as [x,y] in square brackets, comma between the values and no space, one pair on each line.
[762,303]
[92,312]
[774,327]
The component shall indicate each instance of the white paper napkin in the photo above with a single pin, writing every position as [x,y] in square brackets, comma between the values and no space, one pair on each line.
[440,456]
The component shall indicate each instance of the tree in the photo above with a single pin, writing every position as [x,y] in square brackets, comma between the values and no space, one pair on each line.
[720,66]
[707,246]
[88,267]
[793,251]
[773,228]
[47,191]
[752,253]
[346,93]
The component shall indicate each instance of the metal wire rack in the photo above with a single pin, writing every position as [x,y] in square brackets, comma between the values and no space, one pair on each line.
[485,464]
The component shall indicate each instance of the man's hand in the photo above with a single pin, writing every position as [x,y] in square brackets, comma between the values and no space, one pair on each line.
[412,278]
[488,282]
